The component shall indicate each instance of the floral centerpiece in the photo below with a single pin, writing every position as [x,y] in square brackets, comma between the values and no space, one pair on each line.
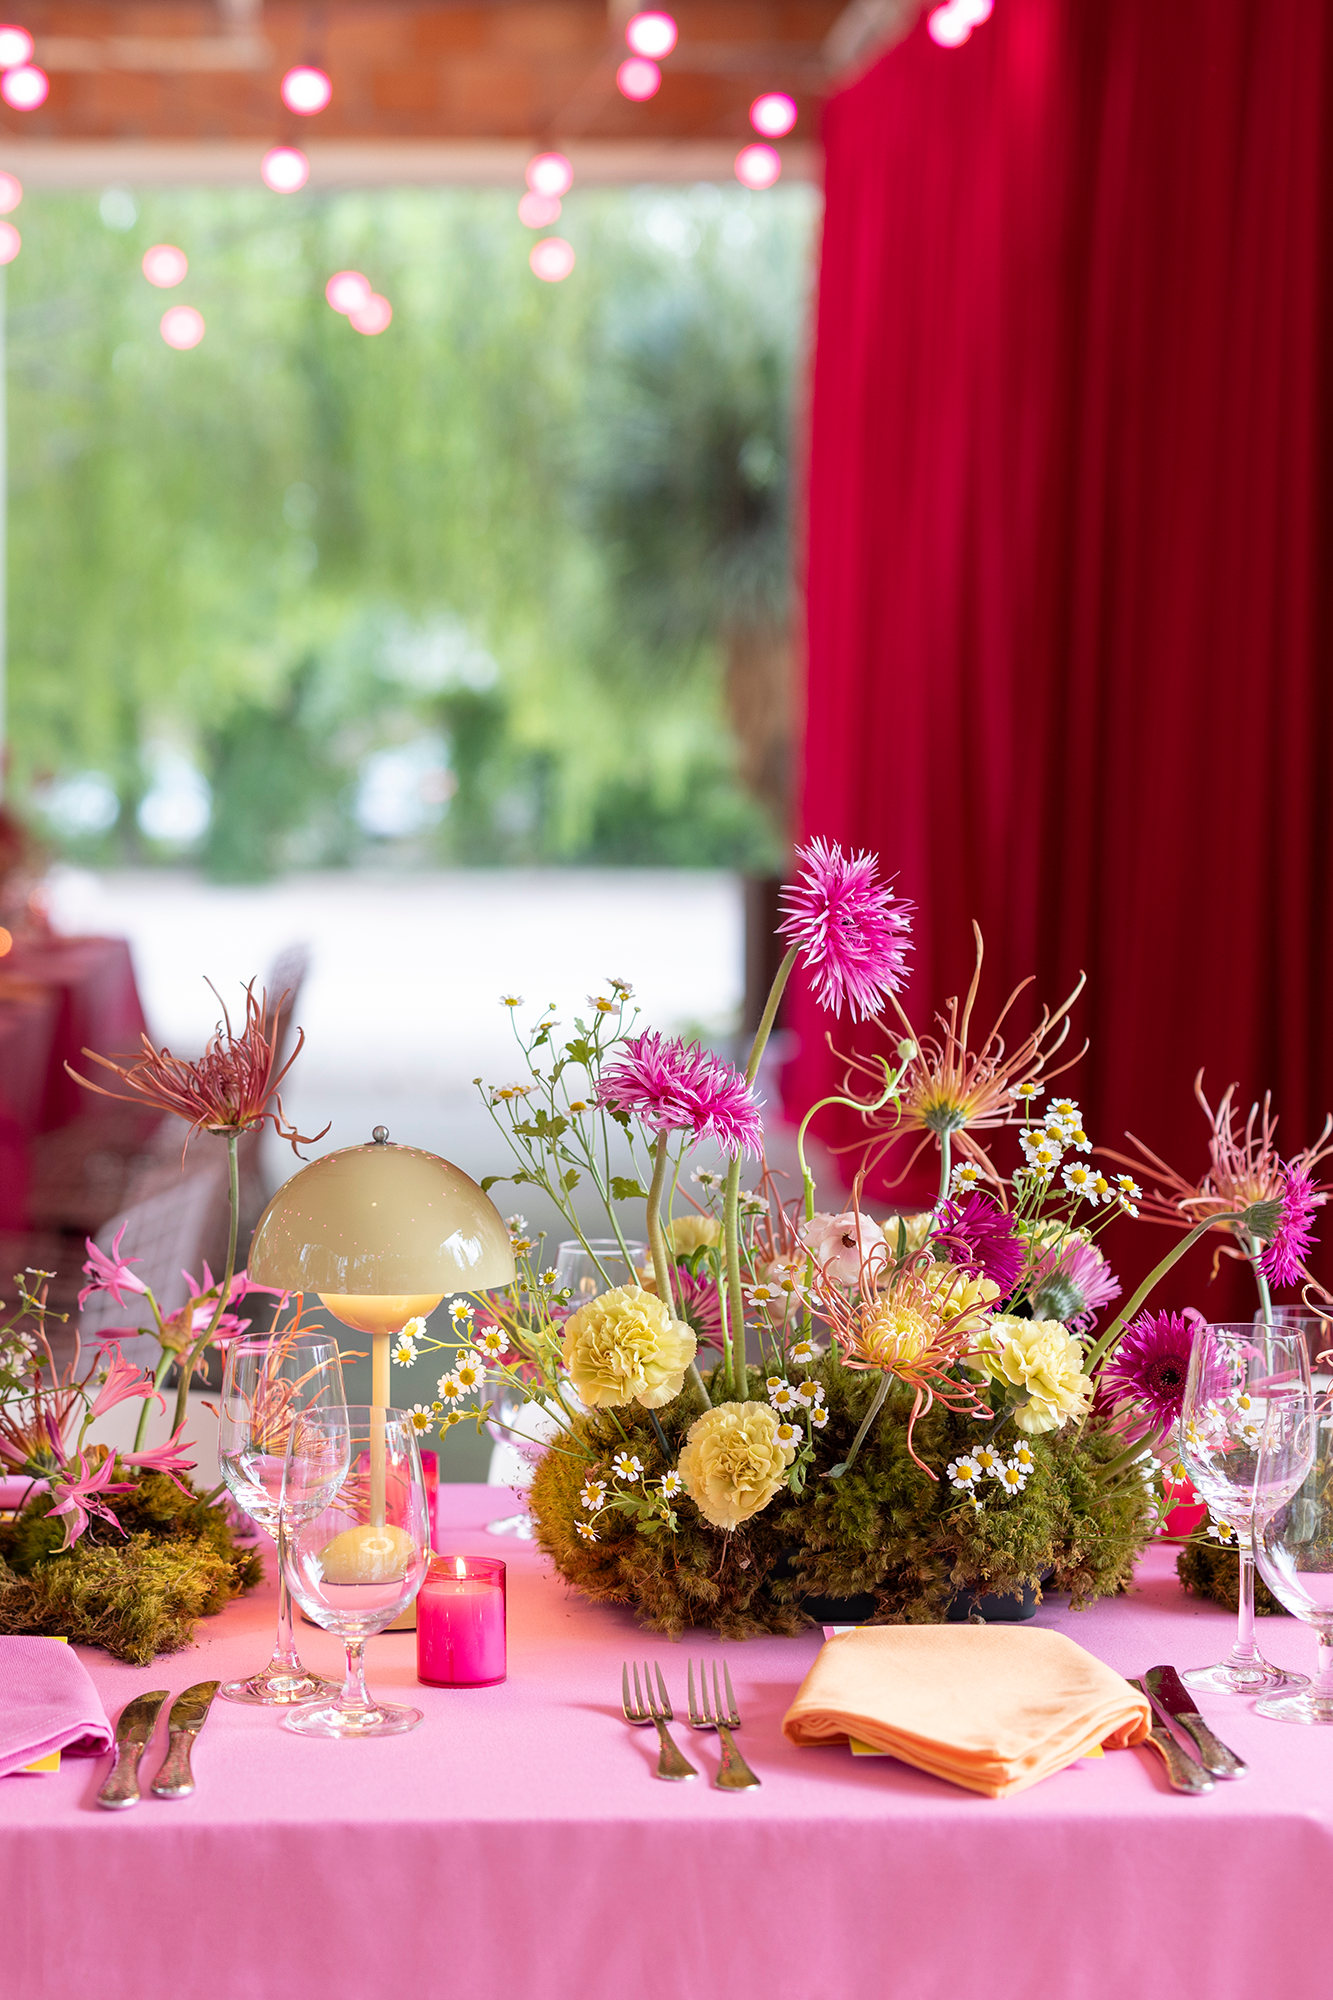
[790,1408]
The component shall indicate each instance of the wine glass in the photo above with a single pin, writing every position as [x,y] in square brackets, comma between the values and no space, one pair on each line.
[356,1546]
[1246,1383]
[600,1267]
[1318,1338]
[265,1385]
[1293,1547]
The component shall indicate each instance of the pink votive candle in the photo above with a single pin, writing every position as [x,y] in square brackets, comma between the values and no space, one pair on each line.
[461,1622]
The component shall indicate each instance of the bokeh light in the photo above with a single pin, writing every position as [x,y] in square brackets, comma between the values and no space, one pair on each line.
[23,89]
[951,25]
[182,326]
[539,211]
[15,46]
[347,291]
[373,316]
[651,35]
[165,265]
[757,166]
[6,942]
[306,90]
[552,259]
[11,193]
[549,174]
[773,114]
[638,79]
[10,243]
[284,169]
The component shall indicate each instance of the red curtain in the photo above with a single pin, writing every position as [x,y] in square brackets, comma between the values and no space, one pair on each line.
[1069,519]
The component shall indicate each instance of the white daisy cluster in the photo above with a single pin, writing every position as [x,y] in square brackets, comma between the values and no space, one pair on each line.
[520,1242]
[404,1350]
[966,1472]
[797,1399]
[627,1466]
[967,1178]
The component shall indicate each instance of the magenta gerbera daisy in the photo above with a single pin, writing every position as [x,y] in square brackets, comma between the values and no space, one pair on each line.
[980,1239]
[850,930]
[1150,1366]
[1283,1260]
[676,1086]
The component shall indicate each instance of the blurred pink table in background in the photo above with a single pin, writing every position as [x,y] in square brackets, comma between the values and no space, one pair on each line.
[516,1846]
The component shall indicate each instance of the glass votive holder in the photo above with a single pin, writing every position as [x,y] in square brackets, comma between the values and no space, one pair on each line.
[461,1622]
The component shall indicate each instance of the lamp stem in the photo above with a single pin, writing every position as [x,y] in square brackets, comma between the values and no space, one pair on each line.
[379,1396]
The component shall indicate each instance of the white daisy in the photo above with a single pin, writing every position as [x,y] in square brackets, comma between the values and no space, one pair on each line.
[987,1459]
[964,1472]
[760,1295]
[403,1351]
[1222,1531]
[672,1484]
[1024,1455]
[586,1530]
[789,1436]
[710,1182]
[626,1466]
[493,1343]
[967,1178]
[1081,1180]
[1012,1478]
[461,1311]
[804,1352]
[810,1392]
[593,1494]
[1027,1091]
[422,1418]
[784,1397]
[449,1389]
[470,1370]
[819,1417]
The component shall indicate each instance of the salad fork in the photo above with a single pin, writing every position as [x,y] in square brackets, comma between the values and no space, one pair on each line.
[656,1709]
[734,1774]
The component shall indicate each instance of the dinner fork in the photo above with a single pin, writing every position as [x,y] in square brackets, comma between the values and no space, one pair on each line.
[734,1774]
[657,1709]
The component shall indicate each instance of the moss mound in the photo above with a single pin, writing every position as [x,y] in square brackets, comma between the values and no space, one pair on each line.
[1208,1570]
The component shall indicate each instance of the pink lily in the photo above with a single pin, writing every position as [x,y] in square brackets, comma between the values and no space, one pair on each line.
[110,1274]
[123,1379]
[82,1497]
[165,1458]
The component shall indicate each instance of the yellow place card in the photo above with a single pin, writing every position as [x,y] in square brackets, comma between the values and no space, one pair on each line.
[51,1763]
[860,1749]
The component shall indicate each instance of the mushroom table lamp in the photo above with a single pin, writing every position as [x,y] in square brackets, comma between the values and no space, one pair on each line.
[381,1234]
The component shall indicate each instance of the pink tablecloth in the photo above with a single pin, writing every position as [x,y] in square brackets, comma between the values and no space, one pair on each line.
[515,1847]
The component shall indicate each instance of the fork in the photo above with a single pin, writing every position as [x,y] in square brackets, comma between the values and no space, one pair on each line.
[657,1708]
[734,1774]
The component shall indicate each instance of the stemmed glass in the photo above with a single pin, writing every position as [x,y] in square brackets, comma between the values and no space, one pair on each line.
[355,1547]
[1293,1546]
[1246,1383]
[599,1268]
[265,1386]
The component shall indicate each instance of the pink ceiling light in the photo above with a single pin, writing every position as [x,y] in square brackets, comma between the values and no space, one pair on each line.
[11,193]
[348,291]
[165,265]
[757,166]
[552,259]
[24,88]
[373,316]
[182,326]
[951,25]
[638,79]
[15,46]
[773,114]
[539,211]
[10,243]
[284,169]
[306,90]
[549,174]
[652,35]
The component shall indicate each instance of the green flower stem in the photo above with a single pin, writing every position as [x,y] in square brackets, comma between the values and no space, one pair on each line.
[159,1377]
[696,1382]
[1255,1249]
[734,1368]
[190,1355]
[946,1150]
[867,1420]
[1154,1277]
[892,1078]
[656,1240]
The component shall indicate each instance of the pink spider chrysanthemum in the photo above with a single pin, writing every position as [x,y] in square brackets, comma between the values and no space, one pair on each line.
[1283,1260]
[676,1086]
[850,931]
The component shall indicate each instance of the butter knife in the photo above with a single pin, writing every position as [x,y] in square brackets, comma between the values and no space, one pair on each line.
[1170,1697]
[134,1732]
[189,1712]
[1183,1774]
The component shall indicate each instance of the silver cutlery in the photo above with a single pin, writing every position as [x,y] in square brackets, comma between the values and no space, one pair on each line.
[189,1712]
[134,1732]
[655,1709]
[734,1774]
[1183,1774]
[1173,1700]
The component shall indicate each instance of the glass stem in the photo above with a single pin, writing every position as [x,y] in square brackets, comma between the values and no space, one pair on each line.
[284,1653]
[1321,1687]
[354,1693]
[1245,1653]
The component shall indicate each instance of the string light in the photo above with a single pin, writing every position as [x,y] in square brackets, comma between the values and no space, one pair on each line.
[651,35]
[552,259]
[347,291]
[757,166]
[24,88]
[638,79]
[373,316]
[15,46]
[773,114]
[10,243]
[182,326]
[951,25]
[164,265]
[284,169]
[306,90]
[11,193]
[539,211]
[549,174]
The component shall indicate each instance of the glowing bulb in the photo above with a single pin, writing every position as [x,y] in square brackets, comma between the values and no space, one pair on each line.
[10,243]
[638,79]
[757,166]
[774,114]
[306,90]
[552,259]
[11,193]
[23,89]
[182,326]
[549,174]
[347,291]
[165,265]
[539,211]
[15,46]
[373,316]
[651,35]
[284,169]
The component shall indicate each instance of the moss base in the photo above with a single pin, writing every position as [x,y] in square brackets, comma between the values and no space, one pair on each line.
[1209,1571]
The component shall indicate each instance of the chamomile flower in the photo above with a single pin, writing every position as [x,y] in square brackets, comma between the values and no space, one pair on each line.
[978,1506]
[448,1421]
[964,1472]
[761,1295]
[548,1277]
[422,1417]
[511,1000]
[988,1461]
[784,1397]
[810,1392]
[967,1179]
[403,1351]
[753,1204]
[671,1485]
[470,1370]
[1012,1478]
[620,987]
[789,1436]
[1079,1139]
[493,1342]
[1222,1531]
[1025,1092]
[819,1416]
[449,1389]
[517,1225]
[1081,1181]
[804,1352]
[710,1182]
[593,1494]
[1128,1193]
[1065,1109]
[627,1466]
[461,1311]
[1024,1455]
[773,1382]
[586,1531]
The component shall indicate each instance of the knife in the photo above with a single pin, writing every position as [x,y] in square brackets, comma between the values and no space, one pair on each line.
[1183,1774]
[189,1712]
[1170,1697]
[134,1732]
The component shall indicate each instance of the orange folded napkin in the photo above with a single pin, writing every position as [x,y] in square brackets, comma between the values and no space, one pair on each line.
[994,1708]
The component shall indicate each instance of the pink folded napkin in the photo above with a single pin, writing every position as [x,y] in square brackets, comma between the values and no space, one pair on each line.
[47,1703]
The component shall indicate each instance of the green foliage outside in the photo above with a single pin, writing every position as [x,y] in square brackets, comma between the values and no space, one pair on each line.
[478,569]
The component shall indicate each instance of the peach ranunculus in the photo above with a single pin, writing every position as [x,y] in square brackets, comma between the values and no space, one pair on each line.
[733,1462]
[841,1244]
[624,1347]
[1041,1362]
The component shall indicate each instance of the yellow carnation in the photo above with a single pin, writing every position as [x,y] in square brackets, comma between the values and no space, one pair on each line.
[733,1462]
[689,1233]
[1040,1361]
[625,1347]
[955,1293]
